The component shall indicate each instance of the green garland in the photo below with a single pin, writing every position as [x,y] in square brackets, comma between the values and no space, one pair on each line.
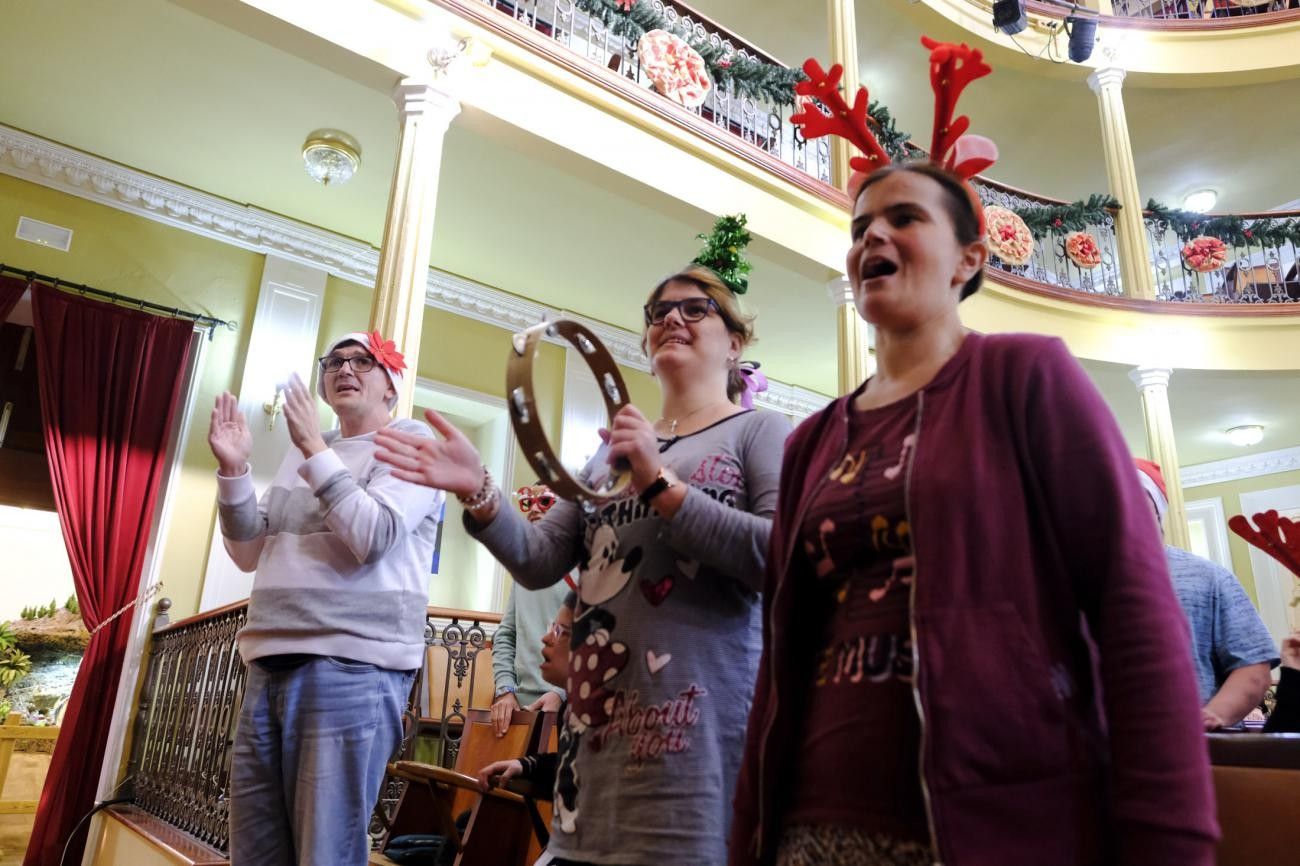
[757,79]
[1073,217]
[724,252]
[892,139]
[1228,228]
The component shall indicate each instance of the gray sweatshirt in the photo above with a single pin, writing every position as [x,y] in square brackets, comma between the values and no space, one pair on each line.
[342,550]
[665,646]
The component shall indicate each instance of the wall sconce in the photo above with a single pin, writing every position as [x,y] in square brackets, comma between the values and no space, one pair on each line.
[331,157]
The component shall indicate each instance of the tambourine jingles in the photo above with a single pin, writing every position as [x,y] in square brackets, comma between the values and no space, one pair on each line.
[528,425]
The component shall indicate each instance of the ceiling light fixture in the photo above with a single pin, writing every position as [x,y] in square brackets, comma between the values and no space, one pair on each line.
[1200,201]
[331,157]
[1246,435]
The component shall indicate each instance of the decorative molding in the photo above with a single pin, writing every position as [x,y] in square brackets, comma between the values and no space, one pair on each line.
[55,166]
[840,290]
[1238,468]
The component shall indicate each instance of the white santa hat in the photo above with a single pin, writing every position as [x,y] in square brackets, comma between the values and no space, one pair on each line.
[385,354]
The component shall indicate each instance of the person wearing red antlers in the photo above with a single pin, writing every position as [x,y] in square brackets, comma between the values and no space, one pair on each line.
[968,614]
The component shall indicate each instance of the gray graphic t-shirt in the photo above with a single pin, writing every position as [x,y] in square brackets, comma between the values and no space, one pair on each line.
[665,646]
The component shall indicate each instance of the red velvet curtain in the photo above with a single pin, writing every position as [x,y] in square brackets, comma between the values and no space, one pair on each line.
[110,382]
[11,289]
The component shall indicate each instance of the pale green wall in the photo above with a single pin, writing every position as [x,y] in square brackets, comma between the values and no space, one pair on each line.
[120,252]
[1230,492]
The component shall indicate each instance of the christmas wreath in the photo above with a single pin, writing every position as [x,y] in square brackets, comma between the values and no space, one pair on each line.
[676,68]
[1205,253]
[1008,236]
[1082,249]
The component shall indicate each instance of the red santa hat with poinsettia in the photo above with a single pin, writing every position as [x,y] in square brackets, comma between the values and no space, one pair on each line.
[385,354]
[1153,482]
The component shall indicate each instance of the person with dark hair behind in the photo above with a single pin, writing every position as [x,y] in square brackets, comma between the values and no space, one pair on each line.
[969,621]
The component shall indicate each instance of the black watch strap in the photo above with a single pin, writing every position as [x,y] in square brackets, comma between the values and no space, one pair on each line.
[659,485]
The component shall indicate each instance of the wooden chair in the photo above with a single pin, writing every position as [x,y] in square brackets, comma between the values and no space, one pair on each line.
[499,832]
[1257,785]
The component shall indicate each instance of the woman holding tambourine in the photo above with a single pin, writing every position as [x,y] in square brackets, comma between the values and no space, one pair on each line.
[667,631]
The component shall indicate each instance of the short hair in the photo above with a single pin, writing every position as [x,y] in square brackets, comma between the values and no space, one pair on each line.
[959,201]
[737,320]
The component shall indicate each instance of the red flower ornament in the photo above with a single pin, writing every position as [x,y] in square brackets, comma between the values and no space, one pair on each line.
[385,352]
[625,5]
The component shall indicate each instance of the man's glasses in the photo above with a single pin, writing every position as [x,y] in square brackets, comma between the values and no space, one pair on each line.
[358,363]
[527,499]
[690,309]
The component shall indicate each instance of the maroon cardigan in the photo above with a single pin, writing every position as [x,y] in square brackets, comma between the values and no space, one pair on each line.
[1059,709]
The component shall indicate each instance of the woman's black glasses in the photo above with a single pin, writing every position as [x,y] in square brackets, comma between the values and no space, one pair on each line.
[690,309]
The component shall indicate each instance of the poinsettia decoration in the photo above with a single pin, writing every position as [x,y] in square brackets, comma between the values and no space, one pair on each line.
[676,68]
[1008,236]
[385,352]
[1082,249]
[1204,254]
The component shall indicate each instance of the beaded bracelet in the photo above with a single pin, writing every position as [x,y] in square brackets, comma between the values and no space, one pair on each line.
[483,497]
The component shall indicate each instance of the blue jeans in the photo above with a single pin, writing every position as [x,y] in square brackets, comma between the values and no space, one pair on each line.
[309,757]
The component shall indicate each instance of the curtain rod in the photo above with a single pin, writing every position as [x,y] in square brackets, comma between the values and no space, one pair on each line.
[198,318]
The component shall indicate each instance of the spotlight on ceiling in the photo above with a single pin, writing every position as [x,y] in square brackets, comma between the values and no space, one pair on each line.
[1009,16]
[1246,435]
[1200,201]
[331,157]
[1083,35]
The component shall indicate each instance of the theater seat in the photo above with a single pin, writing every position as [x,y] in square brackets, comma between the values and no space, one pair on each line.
[1257,784]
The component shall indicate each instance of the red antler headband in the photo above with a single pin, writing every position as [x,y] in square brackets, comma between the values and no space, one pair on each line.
[952,67]
[1279,537]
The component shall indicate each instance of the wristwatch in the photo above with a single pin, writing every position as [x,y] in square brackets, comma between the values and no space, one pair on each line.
[664,480]
[502,692]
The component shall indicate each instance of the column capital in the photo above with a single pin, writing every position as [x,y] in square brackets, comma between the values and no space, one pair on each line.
[1108,77]
[417,98]
[1150,377]
[840,291]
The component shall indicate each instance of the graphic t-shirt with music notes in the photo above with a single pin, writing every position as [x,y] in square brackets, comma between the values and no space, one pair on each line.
[857,763]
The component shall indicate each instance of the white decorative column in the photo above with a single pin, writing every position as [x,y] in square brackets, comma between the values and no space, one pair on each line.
[426,111]
[1153,384]
[1130,230]
[854,359]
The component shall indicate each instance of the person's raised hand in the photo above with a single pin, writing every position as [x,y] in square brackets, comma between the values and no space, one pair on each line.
[447,461]
[300,415]
[228,436]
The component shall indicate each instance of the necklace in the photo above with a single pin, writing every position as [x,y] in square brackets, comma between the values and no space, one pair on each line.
[672,424]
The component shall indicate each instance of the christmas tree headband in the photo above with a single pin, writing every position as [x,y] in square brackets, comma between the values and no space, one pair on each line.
[952,67]
[724,252]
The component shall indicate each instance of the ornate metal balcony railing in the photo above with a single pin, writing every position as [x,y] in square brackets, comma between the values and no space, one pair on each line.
[185,724]
[1049,263]
[193,689]
[761,124]
[1197,10]
[1252,271]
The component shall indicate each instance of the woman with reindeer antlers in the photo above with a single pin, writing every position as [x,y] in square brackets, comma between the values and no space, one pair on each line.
[968,614]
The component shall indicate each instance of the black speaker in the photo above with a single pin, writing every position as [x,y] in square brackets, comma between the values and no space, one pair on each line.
[1009,16]
[1083,35]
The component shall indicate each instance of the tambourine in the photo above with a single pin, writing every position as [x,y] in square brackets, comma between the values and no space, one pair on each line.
[528,424]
